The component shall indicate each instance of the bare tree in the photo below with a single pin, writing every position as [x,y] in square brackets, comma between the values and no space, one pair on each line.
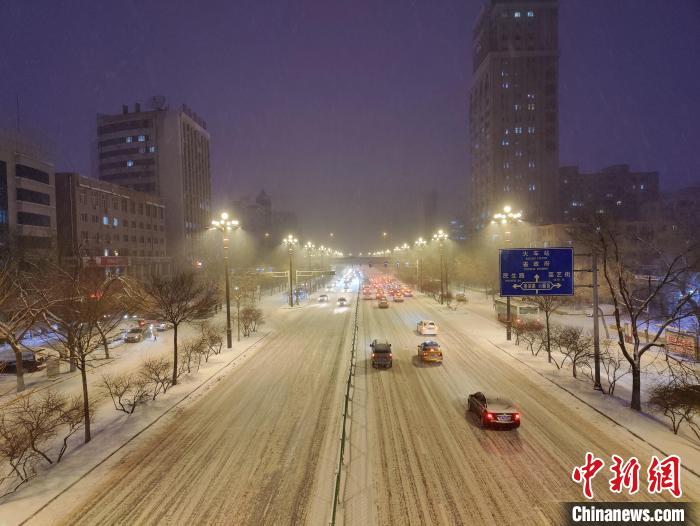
[127,391]
[79,300]
[549,305]
[577,348]
[614,364]
[177,299]
[634,302]
[22,305]
[156,372]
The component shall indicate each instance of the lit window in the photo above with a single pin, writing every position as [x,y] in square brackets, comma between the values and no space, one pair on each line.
[130,163]
[530,14]
[531,96]
[115,222]
[105,220]
[518,153]
[142,138]
[531,164]
[129,138]
[151,149]
[505,142]
[518,130]
[618,203]
[505,85]
[506,165]
[641,187]
[516,107]
[106,252]
[516,14]
[531,106]
[504,74]
[531,188]
[530,130]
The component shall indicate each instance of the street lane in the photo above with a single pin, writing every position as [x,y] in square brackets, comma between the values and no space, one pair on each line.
[259,448]
[415,458]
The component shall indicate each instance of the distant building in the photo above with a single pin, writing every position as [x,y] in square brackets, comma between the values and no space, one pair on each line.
[681,208]
[430,213]
[458,230]
[110,227]
[164,152]
[264,224]
[615,192]
[27,201]
[514,111]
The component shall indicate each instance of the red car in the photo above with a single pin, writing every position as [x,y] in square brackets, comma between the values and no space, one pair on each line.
[493,411]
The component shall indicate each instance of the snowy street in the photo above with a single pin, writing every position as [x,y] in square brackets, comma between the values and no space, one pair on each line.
[261,446]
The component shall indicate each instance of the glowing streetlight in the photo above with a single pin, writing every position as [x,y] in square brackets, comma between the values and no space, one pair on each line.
[291,242]
[226,225]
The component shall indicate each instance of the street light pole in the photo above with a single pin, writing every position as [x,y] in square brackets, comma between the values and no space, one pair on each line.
[420,243]
[441,237]
[290,241]
[225,225]
[505,218]
[596,333]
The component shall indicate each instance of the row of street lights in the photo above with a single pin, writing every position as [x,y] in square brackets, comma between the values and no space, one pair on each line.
[226,225]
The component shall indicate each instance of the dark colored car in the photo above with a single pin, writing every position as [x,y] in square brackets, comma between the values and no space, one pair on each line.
[30,361]
[493,411]
[381,353]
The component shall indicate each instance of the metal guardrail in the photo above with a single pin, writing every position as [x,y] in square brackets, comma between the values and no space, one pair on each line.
[343,435]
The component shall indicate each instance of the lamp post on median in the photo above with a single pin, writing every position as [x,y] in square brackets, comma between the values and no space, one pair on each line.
[441,237]
[506,218]
[226,225]
[420,243]
[290,242]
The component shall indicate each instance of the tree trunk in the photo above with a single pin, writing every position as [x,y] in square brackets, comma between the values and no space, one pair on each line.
[105,345]
[19,367]
[636,402]
[86,400]
[549,350]
[71,361]
[174,353]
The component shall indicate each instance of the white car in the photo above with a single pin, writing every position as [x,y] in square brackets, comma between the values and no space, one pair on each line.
[323,298]
[427,328]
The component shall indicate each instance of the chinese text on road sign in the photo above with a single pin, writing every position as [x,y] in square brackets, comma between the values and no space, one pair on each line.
[537,272]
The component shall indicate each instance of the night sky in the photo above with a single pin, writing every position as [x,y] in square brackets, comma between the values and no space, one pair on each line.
[347,112]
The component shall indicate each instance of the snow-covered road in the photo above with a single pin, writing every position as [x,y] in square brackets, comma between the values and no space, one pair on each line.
[261,446]
[416,459]
[257,449]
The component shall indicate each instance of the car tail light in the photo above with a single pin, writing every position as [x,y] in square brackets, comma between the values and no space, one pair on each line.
[516,416]
[372,355]
[489,416]
[391,355]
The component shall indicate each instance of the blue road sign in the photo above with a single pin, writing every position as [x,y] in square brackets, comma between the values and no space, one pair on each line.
[537,271]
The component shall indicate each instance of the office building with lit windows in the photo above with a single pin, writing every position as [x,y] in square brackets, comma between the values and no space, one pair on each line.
[27,200]
[165,152]
[513,111]
[614,192]
[110,227]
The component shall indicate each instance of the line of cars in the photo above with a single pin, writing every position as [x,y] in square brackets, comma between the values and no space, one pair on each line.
[382,288]
[490,411]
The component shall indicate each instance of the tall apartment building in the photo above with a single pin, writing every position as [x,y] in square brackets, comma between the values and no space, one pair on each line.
[615,192]
[110,227]
[165,152]
[27,200]
[513,111]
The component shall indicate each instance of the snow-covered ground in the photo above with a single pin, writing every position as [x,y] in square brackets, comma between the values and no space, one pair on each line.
[258,443]
[112,430]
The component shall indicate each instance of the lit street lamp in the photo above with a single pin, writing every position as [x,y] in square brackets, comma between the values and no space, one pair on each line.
[420,243]
[508,217]
[441,237]
[226,225]
[290,242]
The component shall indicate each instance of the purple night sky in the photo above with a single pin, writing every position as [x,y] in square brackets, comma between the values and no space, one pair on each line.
[339,107]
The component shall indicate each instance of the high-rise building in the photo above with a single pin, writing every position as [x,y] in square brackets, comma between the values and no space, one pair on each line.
[615,192]
[163,151]
[513,111]
[27,200]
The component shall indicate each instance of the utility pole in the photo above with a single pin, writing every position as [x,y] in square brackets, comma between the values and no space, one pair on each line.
[596,331]
[290,241]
